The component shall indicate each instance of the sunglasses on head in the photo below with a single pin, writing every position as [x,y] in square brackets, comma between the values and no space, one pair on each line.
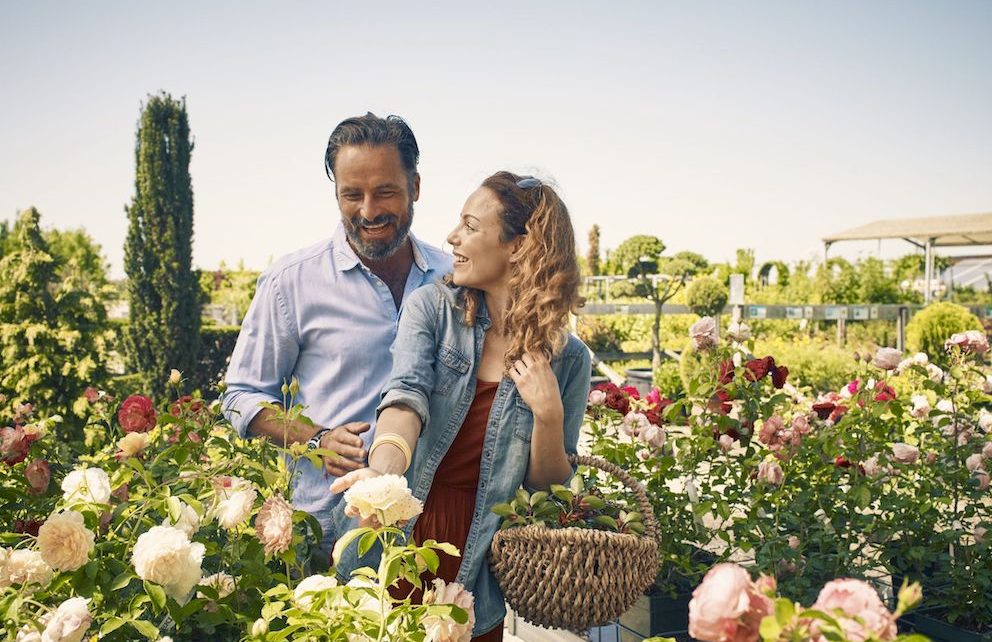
[528,182]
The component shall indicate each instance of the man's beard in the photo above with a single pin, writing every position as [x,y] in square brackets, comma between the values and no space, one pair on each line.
[378,250]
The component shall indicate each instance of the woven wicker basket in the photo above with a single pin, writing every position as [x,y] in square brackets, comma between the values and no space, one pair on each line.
[575,578]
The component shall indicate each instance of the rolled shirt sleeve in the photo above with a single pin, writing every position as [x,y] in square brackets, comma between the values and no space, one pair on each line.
[264,356]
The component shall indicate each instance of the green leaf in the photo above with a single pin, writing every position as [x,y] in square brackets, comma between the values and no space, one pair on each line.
[366,543]
[122,580]
[503,509]
[111,625]
[145,628]
[157,594]
[770,629]
[606,520]
[347,539]
[538,497]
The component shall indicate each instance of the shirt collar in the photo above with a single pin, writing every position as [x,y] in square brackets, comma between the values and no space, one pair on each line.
[347,259]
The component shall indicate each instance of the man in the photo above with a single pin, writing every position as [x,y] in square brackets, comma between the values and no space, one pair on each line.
[327,314]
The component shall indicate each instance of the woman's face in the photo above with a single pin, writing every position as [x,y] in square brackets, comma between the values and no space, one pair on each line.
[482,261]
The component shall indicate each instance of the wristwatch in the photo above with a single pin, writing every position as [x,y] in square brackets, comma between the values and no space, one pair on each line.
[314,442]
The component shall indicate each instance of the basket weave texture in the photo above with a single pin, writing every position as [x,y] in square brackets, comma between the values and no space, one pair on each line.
[575,578]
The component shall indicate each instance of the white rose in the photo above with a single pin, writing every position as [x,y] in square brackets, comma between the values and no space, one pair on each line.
[233,511]
[945,406]
[90,485]
[23,566]
[131,444]
[934,373]
[221,582]
[387,497]
[920,358]
[445,629]
[921,406]
[165,555]
[985,419]
[69,622]
[189,519]
[904,453]
[739,331]
[28,633]
[303,594]
[64,541]
[887,358]
[987,385]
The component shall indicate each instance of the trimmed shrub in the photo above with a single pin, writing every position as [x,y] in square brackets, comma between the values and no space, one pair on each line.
[216,345]
[706,296]
[816,363]
[931,327]
[668,380]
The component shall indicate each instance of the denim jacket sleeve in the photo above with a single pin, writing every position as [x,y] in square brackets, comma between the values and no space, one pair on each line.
[414,352]
[263,357]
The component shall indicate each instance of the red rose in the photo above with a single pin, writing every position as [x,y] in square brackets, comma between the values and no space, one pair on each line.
[136,414]
[842,462]
[779,375]
[720,401]
[38,475]
[758,368]
[726,372]
[632,392]
[186,401]
[884,392]
[14,445]
[823,409]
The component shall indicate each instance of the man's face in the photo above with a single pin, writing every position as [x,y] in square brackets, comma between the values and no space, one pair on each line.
[375,197]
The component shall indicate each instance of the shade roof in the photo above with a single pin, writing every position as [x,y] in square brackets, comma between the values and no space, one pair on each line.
[960,229]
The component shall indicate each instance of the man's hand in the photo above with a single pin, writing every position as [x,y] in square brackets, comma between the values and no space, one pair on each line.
[345,441]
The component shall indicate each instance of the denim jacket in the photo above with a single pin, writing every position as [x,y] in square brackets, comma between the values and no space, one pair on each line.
[435,362]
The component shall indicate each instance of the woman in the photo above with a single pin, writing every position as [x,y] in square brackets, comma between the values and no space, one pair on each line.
[488,389]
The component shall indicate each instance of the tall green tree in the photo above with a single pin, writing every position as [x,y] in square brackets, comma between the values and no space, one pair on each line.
[163,290]
[53,334]
[592,258]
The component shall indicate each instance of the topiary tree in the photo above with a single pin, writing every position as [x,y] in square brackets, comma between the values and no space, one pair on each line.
[655,277]
[706,296]
[163,289]
[53,333]
[933,325]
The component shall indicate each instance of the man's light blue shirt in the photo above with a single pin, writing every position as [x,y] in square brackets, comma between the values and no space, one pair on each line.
[321,315]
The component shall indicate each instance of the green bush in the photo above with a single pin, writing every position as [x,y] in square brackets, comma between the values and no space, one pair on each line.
[216,345]
[706,296]
[668,380]
[931,327]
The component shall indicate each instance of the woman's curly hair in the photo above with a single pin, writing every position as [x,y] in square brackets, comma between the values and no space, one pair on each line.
[544,270]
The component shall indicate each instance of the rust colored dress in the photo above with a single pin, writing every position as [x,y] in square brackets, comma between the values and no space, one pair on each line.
[450,503]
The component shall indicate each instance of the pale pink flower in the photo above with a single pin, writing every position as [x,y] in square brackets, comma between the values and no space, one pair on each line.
[987,450]
[634,423]
[973,462]
[703,333]
[872,467]
[597,398]
[971,342]
[440,629]
[38,475]
[887,358]
[921,406]
[274,525]
[848,599]
[768,435]
[652,435]
[726,443]
[793,542]
[934,373]
[727,606]
[904,453]
[770,472]
[983,479]
[979,534]
[985,420]
[800,425]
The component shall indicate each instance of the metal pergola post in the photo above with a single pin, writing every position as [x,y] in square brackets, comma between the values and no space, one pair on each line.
[928,272]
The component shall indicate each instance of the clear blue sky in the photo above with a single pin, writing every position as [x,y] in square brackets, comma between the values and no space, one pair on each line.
[712,125]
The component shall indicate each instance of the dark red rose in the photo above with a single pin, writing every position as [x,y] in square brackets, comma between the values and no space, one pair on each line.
[38,475]
[726,372]
[733,433]
[194,406]
[136,414]
[823,409]
[842,462]
[720,401]
[758,368]
[884,392]
[779,375]
[653,416]
[14,445]
[28,526]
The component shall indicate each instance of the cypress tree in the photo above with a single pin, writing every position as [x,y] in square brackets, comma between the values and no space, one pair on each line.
[163,289]
[592,258]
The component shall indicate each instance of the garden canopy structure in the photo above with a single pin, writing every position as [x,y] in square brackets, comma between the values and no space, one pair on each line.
[925,233]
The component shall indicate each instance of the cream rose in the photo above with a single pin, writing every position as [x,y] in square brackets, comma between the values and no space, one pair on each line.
[23,566]
[274,525]
[64,541]
[90,485]
[132,444]
[69,622]
[165,555]
[235,502]
[739,331]
[189,519]
[386,497]
[973,462]
[445,629]
[304,593]
[220,582]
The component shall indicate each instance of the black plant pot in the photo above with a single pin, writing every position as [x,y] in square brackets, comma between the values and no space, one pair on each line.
[655,615]
[939,631]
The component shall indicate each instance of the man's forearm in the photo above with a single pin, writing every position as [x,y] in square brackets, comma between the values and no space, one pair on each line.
[264,424]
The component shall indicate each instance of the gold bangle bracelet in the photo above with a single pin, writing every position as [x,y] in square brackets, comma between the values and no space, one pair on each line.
[396,440]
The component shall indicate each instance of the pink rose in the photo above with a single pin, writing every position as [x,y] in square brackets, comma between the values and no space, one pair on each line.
[597,398]
[987,450]
[274,525]
[973,462]
[887,358]
[979,534]
[800,425]
[14,444]
[904,453]
[703,333]
[38,475]
[769,429]
[652,435]
[793,542]
[871,466]
[92,394]
[136,414]
[983,479]
[634,422]
[848,599]
[970,342]
[931,457]
[727,606]
[770,472]
[726,443]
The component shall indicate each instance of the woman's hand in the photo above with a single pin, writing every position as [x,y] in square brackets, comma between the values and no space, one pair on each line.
[348,480]
[538,387]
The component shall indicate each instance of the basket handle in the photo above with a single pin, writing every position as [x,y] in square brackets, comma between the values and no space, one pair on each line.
[650,523]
